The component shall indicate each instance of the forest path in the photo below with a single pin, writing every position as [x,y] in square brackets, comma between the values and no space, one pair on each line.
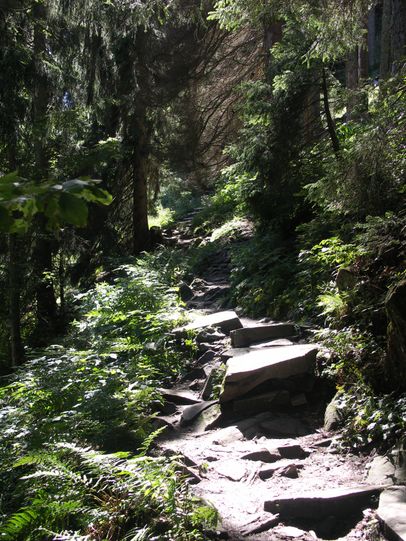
[260,453]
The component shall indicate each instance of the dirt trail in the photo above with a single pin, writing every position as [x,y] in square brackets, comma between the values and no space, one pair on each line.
[261,457]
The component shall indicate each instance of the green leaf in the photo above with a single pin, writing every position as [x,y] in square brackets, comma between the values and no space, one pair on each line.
[73,210]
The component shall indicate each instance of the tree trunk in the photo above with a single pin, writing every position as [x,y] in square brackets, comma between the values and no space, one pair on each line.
[398,34]
[329,119]
[311,108]
[385,61]
[140,151]
[141,237]
[14,310]
[351,80]
[46,309]
[273,33]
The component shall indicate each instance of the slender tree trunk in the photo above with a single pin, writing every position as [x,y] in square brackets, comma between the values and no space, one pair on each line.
[141,236]
[46,309]
[311,108]
[398,34]
[273,33]
[140,151]
[14,309]
[385,61]
[351,79]
[329,119]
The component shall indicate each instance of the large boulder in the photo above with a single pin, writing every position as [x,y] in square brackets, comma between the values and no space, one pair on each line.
[245,372]
[392,513]
[396,347]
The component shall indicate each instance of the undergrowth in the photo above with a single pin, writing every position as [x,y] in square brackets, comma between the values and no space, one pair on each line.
[96,392]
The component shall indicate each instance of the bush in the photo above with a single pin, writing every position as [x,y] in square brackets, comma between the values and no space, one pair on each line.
[98,390]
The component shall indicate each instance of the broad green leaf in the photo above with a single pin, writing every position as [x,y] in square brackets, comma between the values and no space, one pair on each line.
[73,209]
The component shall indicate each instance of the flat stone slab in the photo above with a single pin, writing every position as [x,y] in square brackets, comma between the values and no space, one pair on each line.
[244,337]
[245,372]
[339,502]
[392,512]
[227,321]
[233,352]
[179,397]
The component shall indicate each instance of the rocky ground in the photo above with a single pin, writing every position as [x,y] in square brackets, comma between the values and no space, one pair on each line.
[261,453]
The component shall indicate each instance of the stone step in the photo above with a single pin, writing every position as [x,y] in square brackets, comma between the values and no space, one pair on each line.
[262,402]
[233,352]
[392,512]
[246,336]
[227,321]
[317,505]
[245,372]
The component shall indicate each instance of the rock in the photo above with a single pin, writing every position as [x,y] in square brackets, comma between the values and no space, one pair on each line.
[185,292]
[346,279]
[388,470]
[179,397]
[392,513]
[243,337]
[209,337]
[290,531]
[285,426]
[246,372]
[190,476]
[214,377]
[332,415]
[210,418]
[325,442]
[226,321]
[195,373]
[280,466]
[339,502]
[262,402]
[395,366]
[162,421]
[232,469]
[190,413]
[262,455]
[260,524]
[206,357]
[298,400]
[196,385]
[155,235]
[292,451]
[273,343]
[381,471]
[289,471]
[168,408]
[228,435]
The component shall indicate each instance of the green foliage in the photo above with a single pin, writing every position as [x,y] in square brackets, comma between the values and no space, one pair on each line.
[99,388]
[102,497]
[371,419]
[21,200]
[261,271]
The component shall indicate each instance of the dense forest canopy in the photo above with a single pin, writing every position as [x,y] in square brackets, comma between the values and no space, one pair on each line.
[116,119]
